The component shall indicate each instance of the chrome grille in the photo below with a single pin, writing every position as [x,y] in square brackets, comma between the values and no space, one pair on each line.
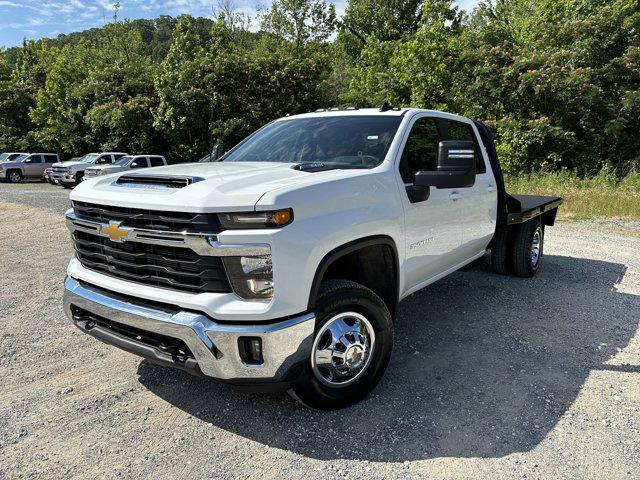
[162,266]
[150,219]
[60,169]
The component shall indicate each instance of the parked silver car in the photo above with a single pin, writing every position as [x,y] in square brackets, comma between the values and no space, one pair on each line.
[126,163]
[27,165]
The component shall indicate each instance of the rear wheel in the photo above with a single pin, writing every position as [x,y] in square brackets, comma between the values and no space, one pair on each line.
[501,250]
[14,176]
[351,347]
[528,247]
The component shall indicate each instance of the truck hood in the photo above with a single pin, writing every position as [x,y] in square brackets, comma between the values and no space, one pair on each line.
[215,187]
[68,164]
[106,169]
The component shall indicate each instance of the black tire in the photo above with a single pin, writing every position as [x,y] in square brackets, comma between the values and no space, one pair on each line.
[79,177]
[525,263]
[501,251]
[341,296]
[14,176]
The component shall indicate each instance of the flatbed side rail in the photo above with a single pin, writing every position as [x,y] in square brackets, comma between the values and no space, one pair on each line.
[521,208]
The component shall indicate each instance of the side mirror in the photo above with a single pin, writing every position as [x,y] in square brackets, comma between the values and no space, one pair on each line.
[134,165]
[456,166]
[216,152]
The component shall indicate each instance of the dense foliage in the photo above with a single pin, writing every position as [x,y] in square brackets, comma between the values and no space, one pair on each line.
[556,80]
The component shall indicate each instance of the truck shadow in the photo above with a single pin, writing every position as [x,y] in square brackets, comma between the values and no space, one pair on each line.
[483,366]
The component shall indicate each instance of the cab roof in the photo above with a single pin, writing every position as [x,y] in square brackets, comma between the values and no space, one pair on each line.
[359,112]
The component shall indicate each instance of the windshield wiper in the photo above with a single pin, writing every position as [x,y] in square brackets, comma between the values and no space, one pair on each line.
[321,167]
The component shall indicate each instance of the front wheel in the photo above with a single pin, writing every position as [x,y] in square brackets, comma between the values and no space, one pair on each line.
[351,347]
[14,176]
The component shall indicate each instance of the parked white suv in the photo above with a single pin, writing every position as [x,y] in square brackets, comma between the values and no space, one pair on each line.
[125,163]
[71,173]
[27,165]
[282,264]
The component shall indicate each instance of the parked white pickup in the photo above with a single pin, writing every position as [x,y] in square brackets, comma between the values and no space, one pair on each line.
[282,264]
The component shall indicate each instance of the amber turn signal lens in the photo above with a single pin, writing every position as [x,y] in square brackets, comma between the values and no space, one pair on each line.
[282,217]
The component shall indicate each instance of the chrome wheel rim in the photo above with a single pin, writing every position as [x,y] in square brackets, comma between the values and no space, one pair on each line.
[536,244]
[14,177]
[342,349]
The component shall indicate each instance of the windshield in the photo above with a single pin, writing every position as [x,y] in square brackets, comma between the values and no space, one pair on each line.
[20,158]
[124,161]
[89,158]
[349,141]
[4,157]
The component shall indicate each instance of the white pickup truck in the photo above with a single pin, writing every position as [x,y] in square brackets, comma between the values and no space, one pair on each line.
[282,264]
[69,174]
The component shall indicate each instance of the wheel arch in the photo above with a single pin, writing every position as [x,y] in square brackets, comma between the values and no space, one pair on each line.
[334,265]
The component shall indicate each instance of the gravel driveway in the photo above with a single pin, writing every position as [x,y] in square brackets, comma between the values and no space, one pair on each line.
[491,377]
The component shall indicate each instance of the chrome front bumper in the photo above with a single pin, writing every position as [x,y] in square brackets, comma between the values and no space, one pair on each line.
[63,177]
[285,344]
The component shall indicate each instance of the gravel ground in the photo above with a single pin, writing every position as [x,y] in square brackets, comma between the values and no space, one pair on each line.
[492,377]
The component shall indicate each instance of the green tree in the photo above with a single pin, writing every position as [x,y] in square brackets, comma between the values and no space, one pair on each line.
[300,22]
[184,110]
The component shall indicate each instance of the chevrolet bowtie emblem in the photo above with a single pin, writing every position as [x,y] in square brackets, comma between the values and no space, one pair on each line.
[114,231]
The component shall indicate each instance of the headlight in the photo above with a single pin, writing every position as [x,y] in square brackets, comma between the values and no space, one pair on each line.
[271,219]
[250,277]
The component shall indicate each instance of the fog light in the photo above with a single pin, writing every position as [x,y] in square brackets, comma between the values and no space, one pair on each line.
[250,277]
[250,350]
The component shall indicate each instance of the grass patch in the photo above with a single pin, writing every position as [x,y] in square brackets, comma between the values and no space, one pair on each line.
[584,198]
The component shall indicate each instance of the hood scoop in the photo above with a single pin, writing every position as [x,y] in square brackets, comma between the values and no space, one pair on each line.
[155,181]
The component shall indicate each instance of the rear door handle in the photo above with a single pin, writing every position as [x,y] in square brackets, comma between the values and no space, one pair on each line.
[491,188]
[455,196]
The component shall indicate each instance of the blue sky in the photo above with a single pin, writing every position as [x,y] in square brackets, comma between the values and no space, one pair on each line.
[49,18]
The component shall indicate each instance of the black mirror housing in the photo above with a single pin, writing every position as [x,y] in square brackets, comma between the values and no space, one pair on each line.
[456,166]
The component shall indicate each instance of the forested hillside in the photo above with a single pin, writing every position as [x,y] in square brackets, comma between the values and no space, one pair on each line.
[557,80]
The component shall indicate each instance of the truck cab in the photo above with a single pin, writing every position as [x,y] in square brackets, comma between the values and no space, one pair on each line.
[282,264]
[71,173]
[126,163]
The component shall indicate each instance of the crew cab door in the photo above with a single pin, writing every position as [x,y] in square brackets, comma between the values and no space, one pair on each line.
[433,234]
[478,204]
[33,166]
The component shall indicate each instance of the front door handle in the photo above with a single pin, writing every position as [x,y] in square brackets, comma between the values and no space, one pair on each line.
[455,196]
[491,188]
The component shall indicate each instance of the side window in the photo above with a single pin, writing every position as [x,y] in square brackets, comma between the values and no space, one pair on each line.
[104,159]
[453,130]
[140,162]
[35,159]
[50,159]
[118,156]
[156,161]
[421,150]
